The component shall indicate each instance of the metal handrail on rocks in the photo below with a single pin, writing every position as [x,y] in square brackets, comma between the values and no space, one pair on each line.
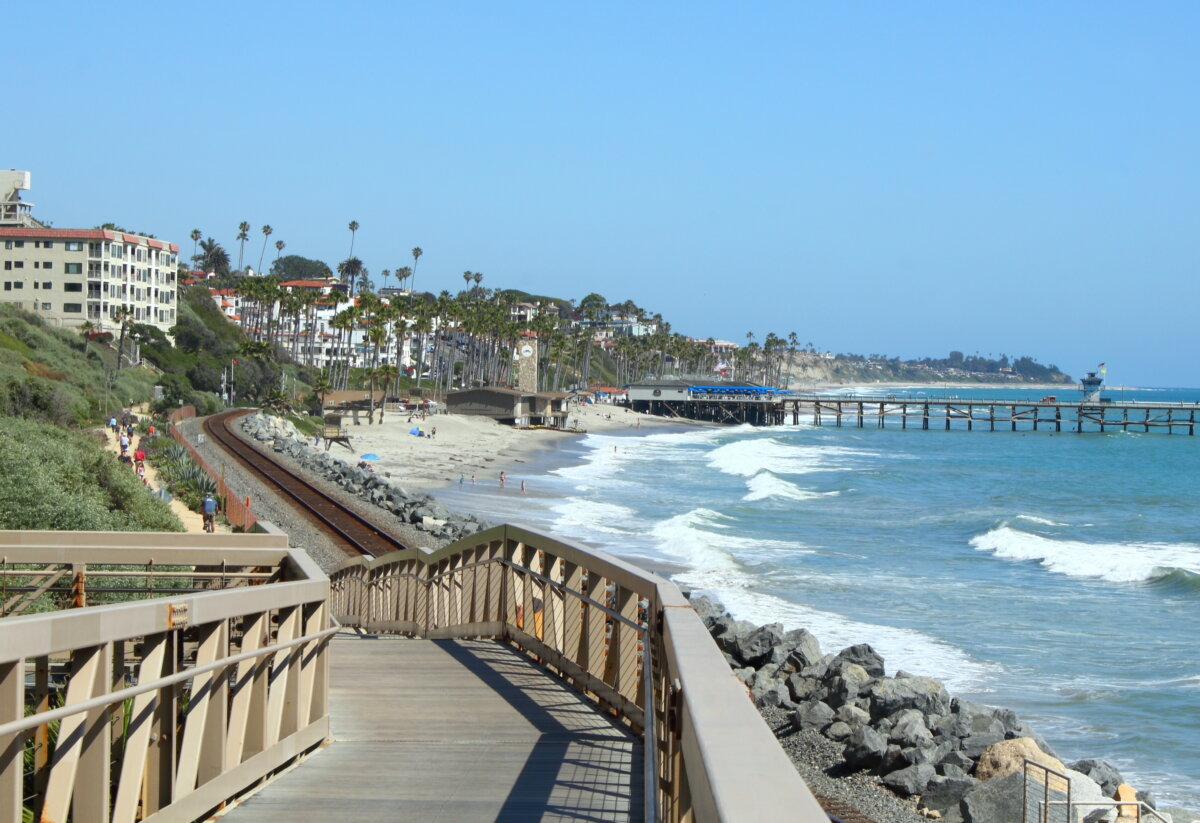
[627,639]
[1043,774]
[166,707]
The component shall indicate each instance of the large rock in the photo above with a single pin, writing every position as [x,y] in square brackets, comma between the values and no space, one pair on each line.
[924,694]
[865,748]
[910,781]
[945,792]
[706,608]
[847,683]
[803,689]
[1083,791]
[803,649]
[727,632]
[1009,756]
[975,745]
[995,801]
[754,647]
[1126,794]
[813,715]
[910,731]
[862,655]
[1102,772]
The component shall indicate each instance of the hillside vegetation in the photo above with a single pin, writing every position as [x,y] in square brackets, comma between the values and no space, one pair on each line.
[55,375]
[53,478]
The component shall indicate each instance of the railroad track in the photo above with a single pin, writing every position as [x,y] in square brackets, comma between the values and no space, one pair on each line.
[353,531]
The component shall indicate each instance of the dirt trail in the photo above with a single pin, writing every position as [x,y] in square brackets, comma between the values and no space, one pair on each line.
[193,522]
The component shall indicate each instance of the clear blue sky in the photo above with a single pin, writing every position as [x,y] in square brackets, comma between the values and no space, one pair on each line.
[900,178]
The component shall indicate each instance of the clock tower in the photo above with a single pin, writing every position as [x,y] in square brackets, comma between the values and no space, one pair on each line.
[527,364]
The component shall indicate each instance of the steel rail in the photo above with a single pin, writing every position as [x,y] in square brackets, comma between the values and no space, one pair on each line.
[336,519]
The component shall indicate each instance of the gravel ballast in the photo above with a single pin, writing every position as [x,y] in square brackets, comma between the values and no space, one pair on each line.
[267,505]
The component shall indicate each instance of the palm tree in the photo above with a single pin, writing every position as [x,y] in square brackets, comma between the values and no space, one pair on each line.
[242,236]
[279,247]
[467,276]
[266,230]
[196,235]
[212,257]
[385,274]
[353,231]
[416,255]
[122,315]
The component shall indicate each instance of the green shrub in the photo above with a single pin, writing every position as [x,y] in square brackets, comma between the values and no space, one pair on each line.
[62,480]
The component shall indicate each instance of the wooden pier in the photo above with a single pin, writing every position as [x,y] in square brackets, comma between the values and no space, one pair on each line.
[951,413]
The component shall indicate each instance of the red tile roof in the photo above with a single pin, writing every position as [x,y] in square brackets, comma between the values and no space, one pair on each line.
[307,284]
[85,234]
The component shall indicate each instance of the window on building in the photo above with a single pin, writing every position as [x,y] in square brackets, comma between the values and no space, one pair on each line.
[74,245]
[74,268]
[18,244]
[47,265]
[46,284]
[72,308]
[8,244]
[18,264]
[8,265]
[72,287]
[18,284]
[45,307]
[8,285]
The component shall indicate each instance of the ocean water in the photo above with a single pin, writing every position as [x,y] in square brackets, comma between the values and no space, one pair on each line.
[1055,574]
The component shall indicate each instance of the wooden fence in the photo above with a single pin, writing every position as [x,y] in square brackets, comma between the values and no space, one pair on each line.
[238,511]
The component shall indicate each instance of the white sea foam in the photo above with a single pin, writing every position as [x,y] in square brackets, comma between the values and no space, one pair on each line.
[701,538]
[581,516]
[765,485]
[750,456]
[608,455]
[1115,562]
[1041,521]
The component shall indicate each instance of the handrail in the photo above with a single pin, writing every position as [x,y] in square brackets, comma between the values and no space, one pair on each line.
[202,693]
[623,636]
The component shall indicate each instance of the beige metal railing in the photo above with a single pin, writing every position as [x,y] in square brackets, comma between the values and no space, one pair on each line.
[163,707]
[592,617]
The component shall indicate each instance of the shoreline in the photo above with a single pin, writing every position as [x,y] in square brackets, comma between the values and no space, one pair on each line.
[539,452]
[469,447]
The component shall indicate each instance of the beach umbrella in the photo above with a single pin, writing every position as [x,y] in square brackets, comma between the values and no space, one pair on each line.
[370,458]
[415,431]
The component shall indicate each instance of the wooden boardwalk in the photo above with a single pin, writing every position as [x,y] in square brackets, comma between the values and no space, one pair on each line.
[454,731]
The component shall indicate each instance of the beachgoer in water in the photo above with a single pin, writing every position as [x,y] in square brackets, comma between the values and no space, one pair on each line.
[522,487]
[502,478]
[432,432]
[460,480]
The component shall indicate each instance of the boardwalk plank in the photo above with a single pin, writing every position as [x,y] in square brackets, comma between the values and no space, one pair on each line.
[455,730]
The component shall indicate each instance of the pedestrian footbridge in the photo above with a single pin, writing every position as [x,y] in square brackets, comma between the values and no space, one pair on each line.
[508,676]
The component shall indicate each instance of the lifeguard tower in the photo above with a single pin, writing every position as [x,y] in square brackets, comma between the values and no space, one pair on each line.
[333,432]
[1090,385]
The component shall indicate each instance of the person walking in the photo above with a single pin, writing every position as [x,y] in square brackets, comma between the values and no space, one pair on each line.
[124,442]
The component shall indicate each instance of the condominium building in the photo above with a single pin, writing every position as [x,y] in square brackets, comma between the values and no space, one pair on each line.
[72,276]
[69,276]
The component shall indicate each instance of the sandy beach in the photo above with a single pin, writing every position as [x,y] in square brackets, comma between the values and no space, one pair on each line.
[479,446]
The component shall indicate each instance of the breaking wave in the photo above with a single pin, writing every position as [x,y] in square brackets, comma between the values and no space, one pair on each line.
[1164,563]
[765,486]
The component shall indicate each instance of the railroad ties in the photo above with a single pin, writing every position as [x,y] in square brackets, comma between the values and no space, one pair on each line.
[993,415]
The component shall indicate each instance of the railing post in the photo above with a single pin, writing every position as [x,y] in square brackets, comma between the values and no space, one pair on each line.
[158,789]
[12,747]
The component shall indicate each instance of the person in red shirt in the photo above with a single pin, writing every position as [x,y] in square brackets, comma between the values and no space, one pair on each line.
[139,456]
